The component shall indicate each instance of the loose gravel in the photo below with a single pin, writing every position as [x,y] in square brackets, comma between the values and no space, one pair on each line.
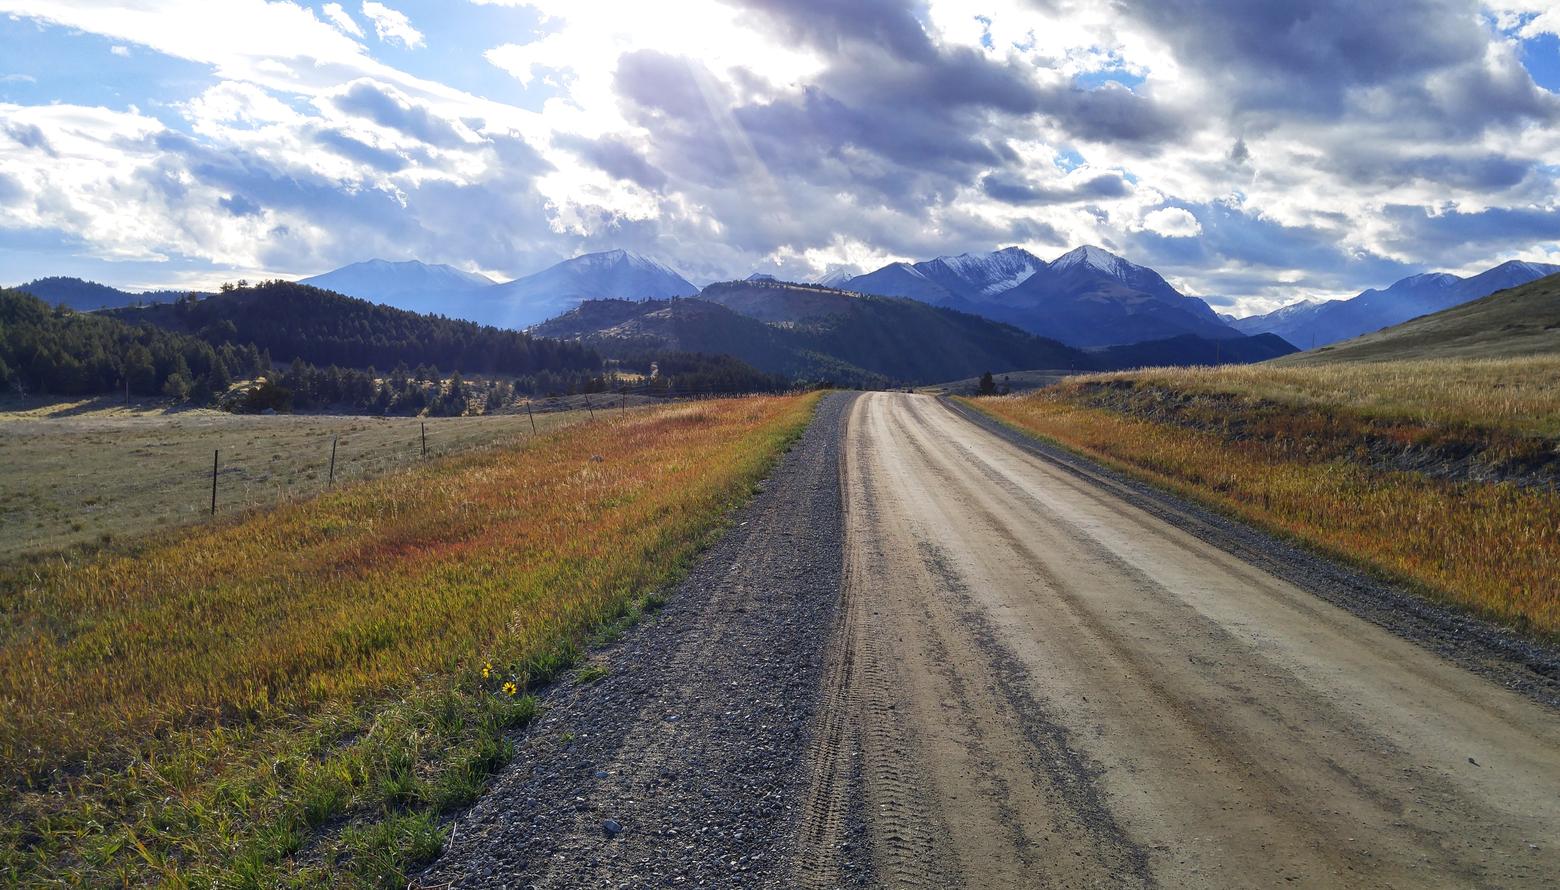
[683,765]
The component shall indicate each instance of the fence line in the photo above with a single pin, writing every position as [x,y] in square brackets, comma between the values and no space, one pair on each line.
[367,464]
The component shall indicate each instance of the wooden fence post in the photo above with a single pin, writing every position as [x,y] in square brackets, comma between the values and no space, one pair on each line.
[531,416]
[214,453]
[331,481]
[589,408]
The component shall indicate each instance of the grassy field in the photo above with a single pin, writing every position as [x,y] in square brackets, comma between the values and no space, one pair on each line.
[296,695]
[1318,453]
[93,472]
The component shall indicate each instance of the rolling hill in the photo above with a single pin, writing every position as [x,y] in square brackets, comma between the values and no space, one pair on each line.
[298,321]
[1519,321]
[87,295]
[1318,323]
[815,333]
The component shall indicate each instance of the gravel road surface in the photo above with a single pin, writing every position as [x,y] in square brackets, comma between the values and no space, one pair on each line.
[683,765]
[1050,686]
[932,653]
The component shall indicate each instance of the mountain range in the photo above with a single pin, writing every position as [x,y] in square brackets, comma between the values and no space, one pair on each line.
[1312,324]
[1085,297]
[525,301]
[812,332]
[1518,321]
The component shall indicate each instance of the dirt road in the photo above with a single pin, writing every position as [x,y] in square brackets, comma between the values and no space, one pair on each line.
[1033,682]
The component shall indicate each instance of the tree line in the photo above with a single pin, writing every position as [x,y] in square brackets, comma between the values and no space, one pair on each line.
[54,350]
[325,328]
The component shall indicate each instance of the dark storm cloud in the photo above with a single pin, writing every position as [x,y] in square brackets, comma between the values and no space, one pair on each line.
[1314,57]
[831,26]
[1481,173]
[369,100]
[238,205]
[30,136]
[1463,235]
[1016,190]
[1239,251]
[360,151]
[615,158]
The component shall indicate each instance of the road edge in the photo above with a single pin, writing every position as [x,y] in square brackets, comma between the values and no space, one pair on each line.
[1527,667]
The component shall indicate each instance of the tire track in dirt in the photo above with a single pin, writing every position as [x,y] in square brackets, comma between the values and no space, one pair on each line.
[1080,693]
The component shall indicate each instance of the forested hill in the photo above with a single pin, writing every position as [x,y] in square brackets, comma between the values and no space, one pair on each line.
[47,350]
[325,328]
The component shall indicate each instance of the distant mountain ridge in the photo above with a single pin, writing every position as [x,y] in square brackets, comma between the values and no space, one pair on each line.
[525,301]
[85,296]
[815,333]
[1313,324]
[411,285]
[819,333]
[1517,321]
[1085,297]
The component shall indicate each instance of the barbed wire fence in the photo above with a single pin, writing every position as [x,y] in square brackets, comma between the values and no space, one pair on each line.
[236,484]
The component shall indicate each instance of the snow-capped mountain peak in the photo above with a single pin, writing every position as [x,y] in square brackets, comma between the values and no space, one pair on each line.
[1097,258]
[992,273]
[837,278]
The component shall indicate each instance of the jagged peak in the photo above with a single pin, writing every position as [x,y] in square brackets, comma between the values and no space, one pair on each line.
[1094,257]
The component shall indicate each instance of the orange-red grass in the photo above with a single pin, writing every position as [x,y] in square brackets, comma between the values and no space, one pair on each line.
[191,666]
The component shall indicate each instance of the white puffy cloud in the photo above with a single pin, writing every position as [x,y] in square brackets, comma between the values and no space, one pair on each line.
[392,25]
[342,19]
[1172,222]
[1242,149]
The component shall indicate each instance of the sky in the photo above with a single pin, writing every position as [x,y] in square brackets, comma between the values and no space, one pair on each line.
[1253,153]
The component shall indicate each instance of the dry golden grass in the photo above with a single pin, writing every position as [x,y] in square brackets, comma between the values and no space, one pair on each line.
[1519,395]
[1493,548]
[368,607]
[93,472]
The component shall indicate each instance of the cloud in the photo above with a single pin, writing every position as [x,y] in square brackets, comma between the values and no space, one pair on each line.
[1016,190]
[388,107]
[342,19]
[391,25]
[122,51]
[238,205]
[1172,222]
[1257,151]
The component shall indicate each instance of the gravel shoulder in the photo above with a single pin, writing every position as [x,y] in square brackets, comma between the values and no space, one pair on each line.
[685,763]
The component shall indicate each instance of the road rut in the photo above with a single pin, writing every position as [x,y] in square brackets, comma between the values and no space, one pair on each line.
[1032,682]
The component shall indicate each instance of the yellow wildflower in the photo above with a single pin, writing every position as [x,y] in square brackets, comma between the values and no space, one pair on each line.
[510,688]
[487,670]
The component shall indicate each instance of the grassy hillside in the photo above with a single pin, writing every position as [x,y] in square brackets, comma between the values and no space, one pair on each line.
[294,696]
[1521,321]
[1444,475]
